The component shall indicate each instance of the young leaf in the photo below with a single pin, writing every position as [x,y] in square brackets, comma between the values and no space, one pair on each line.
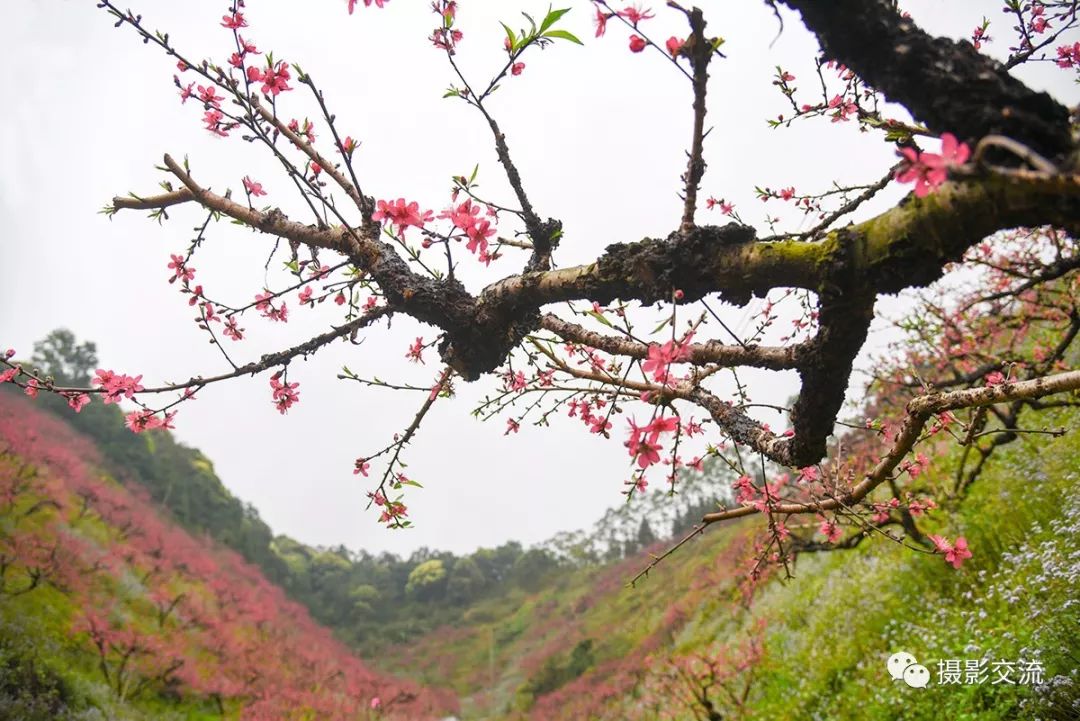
[532,24]
[510,36]
[564,35]
[600,317]
[552,17]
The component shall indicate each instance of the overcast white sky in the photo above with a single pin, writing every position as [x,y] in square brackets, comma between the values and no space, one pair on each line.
[598,134]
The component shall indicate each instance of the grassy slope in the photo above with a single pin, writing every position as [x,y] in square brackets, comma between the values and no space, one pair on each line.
[110,572]
[827,633]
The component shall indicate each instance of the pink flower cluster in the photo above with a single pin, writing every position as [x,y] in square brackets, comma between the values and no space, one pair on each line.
[747,493]
[725,207]
[1039,23]
[213,117]
[661,357]
[466,217]
[284,394]
[844,109]
[246,48]
[634,15]
[1068,56]
[830,530]
[139,421]
[234,21]
[583,409]
[955,553]
[367,4]
[401,214]
[929,170]
[231,330]
[116,385]
[644,441]
[392,510]
[416,351]
[252,187]
[263,303]
[275,79]
[181,270]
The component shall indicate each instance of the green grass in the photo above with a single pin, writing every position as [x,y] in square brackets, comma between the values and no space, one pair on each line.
[830,630]
[1017,598]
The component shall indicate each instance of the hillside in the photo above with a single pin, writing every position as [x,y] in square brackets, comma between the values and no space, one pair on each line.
[94,571]
[109,610]
[373,602]
[694,638]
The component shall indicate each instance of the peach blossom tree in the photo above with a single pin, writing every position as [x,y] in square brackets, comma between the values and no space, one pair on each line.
[632,345]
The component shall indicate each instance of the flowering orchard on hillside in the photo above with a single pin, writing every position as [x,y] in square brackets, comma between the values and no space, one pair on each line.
[633,346]
[160,610]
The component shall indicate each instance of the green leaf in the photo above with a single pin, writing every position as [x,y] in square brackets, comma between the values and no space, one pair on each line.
[600,317]
[410,482]
[475,170]
[716,43]
[897,135]
[510,36]
[552,17]
[532,23]
[661,326]
[293,266]
[564,35]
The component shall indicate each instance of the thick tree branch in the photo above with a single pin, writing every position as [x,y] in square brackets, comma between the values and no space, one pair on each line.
[903,247]
[906,246]
[844,320]
[948,85]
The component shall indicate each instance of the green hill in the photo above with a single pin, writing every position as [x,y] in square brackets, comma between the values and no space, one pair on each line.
[111,610]
[551,632]
[816,646]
